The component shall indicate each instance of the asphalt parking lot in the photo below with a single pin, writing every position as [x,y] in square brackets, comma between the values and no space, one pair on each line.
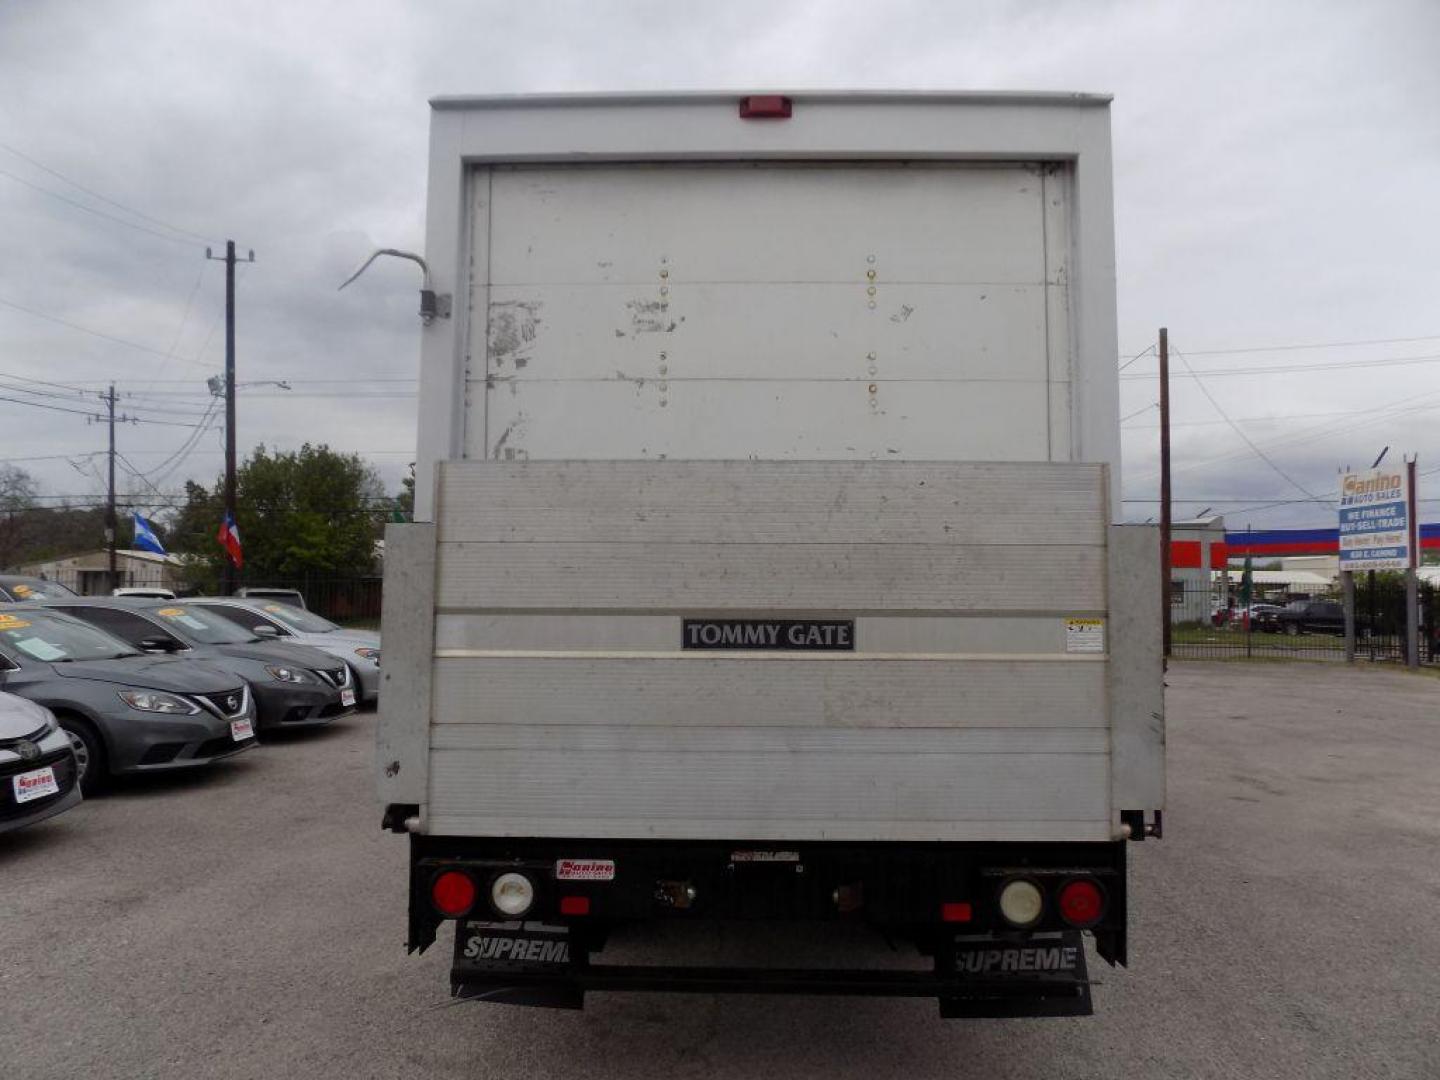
[248,922]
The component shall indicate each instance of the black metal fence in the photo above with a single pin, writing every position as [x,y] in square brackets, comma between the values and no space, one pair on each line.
[1298,619]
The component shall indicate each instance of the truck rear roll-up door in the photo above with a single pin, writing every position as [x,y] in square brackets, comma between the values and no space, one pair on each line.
[972,702]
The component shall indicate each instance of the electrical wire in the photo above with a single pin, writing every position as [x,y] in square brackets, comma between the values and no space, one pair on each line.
[103,198]
[1137,356]
[1241,431]
[83,329]
[1239,349]
[1285,369]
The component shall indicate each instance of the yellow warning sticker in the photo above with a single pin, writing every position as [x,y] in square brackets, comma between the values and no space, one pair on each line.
[20,590]
[13,622]
[171,612]
[1084,635]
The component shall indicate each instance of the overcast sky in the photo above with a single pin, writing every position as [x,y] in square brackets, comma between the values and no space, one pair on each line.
[1277,176]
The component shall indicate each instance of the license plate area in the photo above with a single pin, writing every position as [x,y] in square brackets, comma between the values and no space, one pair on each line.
[347,698]
[240,730]
[35,784]
[1039,975]
[504,947]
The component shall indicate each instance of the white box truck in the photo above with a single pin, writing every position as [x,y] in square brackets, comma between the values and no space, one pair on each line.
[765,562]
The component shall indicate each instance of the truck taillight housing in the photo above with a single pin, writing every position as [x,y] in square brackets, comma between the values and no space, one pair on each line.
[765,107]
[1021,902]
[453,893]
[1081,902]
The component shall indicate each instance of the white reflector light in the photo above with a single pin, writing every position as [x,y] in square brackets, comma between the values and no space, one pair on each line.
[512,894]
[1022,903]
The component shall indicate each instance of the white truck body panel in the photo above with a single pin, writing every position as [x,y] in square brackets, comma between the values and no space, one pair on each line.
[854,365]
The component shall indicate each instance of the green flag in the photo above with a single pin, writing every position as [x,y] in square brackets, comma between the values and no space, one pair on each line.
[1247,584]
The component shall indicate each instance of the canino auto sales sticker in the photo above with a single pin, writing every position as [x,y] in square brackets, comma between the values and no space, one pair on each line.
[585,869]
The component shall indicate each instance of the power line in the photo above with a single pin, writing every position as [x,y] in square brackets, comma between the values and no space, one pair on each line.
[1241,431]
[1137,356]
[91,210]
[93,414]
[1137,412]
[103,198]
[1325,431]
[83,329]
[1285,369]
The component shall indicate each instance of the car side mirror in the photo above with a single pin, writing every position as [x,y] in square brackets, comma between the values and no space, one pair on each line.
[266,631]
[158,645]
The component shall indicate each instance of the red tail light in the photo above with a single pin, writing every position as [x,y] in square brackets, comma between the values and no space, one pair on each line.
[574,905]
[956,912]
[765,107]
[1081,902]
[453,893]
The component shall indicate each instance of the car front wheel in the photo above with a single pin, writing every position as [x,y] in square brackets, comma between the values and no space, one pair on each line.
[89,753]
[1293,629]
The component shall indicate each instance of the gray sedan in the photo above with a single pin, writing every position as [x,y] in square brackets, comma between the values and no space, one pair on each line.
[294,686]
[38,774]
[123,711]
[358,648]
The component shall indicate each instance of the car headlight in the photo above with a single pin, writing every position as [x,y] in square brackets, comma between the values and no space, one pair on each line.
[157,701]
[368,654]
[288,674]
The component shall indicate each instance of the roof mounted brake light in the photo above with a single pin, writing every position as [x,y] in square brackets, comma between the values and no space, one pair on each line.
[765,107]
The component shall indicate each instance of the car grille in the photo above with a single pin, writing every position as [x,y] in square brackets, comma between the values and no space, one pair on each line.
[337,677]
[62,761]
[228,703]
[221,744]
[34,736]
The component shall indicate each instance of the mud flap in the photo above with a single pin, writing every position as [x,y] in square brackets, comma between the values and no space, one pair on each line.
[508,963]
[1039,975]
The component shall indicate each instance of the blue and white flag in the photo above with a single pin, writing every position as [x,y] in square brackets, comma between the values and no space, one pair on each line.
[145,538]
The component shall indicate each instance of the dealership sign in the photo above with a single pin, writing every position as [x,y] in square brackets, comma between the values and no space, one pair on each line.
[1375,520]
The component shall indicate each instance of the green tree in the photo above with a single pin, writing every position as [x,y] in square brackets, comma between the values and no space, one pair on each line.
[307,511]
[404,507]
[17,495]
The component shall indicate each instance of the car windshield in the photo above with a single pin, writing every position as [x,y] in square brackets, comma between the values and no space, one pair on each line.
[299,619]
[195,624]
[38,590]
[52,637]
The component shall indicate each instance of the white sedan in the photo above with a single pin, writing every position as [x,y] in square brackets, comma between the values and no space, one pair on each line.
[37,765]
[269,618]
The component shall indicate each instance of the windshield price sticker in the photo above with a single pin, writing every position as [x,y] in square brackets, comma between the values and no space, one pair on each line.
[1084,635]
[12,622]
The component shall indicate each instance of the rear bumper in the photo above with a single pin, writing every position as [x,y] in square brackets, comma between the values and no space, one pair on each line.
[901,890]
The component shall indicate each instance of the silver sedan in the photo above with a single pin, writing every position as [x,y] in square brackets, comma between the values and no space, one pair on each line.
[38,775]
[270,618]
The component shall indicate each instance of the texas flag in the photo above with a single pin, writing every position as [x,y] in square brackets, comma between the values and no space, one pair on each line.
[229,538]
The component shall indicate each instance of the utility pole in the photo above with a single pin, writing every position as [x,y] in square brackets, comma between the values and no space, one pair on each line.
[1412,579]
[229,261]
[1165,569]
[110,522]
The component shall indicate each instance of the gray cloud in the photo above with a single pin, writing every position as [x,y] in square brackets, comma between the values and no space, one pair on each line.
[1275,171]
